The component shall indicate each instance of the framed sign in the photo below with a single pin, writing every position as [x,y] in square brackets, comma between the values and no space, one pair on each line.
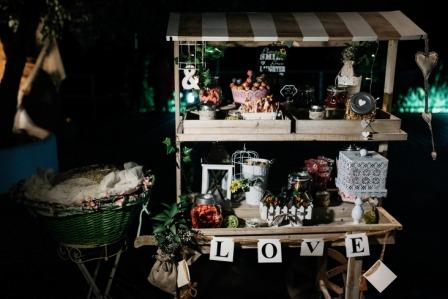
[272,60]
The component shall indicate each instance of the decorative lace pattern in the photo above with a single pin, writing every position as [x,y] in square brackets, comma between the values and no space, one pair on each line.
[362,176]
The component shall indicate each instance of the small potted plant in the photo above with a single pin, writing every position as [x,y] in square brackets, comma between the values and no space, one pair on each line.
[252,187]
[210,95]
[346,76]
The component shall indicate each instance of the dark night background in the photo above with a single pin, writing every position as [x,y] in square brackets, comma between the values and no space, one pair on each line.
[101,97]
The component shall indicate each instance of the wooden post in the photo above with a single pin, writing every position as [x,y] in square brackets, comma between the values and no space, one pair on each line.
[354,269]
[177,119]
[390,74]
[383,147]
[389,84]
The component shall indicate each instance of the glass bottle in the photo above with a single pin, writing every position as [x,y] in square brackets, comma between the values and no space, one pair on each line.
[206,213]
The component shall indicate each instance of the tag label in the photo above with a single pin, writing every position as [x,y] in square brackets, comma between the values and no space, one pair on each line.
[221,249]
[183,274]
[269,251]
[312,247]
[357,245]
[380,276]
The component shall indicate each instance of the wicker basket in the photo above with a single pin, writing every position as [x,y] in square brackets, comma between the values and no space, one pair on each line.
[106,223]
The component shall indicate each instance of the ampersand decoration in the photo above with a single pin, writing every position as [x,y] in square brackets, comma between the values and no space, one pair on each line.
[190,80]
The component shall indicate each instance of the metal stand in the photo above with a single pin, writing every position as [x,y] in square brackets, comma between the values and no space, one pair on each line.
[81,254]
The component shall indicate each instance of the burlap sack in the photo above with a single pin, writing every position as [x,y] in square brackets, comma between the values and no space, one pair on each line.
[164,273]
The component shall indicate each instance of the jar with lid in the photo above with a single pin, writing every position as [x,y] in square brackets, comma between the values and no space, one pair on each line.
[336,97]
[206,212]
[207,112]
[316,112]
[305,97]
[300,181]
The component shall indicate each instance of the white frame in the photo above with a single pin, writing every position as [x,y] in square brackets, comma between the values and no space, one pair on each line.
[205,177]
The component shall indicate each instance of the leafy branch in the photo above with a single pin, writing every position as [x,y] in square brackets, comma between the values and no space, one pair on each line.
[171,149]
[172,228]
[186,159]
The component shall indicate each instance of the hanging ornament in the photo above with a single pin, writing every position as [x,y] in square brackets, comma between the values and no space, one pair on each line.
[426,61]
[379,275]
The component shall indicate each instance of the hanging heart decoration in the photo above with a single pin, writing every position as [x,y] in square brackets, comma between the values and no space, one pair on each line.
[426,62]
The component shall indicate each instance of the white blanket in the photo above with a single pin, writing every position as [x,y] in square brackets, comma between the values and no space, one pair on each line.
[77,190]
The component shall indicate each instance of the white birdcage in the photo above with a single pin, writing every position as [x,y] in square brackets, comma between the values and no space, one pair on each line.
[191,55]
[238,159]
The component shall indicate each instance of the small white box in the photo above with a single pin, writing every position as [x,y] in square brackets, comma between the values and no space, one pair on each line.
[363,176]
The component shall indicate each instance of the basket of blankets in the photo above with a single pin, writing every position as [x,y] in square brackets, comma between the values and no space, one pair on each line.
[89,206]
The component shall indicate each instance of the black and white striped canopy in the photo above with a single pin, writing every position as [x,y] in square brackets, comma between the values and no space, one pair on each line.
[294,26]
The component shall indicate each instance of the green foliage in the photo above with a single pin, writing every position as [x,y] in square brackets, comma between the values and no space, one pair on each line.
[186,154]
[368,60]
[56,14]
[199,58]
[205,77]
[171,149]
[210,52]
[362,53]
[186,159]
[172,228]
[214,52]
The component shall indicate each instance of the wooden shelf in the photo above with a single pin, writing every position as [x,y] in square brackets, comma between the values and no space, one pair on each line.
[400,136]
[334,231]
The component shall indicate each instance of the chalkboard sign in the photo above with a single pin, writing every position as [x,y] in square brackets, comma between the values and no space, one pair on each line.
[272,60]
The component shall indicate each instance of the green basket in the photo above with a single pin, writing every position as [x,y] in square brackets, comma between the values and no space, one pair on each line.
[106,224]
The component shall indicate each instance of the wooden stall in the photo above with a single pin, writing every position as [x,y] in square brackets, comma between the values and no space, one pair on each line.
[295,29]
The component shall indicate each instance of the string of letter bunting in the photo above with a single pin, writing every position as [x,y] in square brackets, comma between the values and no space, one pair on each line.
[270,251]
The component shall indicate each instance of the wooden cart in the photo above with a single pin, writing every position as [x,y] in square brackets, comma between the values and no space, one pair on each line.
[326,29]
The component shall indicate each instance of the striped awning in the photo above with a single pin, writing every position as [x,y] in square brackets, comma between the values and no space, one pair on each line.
[294,26]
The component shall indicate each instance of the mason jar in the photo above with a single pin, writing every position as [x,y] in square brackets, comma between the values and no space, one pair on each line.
[300,181]
[206,212]
[316,112]
[336,97]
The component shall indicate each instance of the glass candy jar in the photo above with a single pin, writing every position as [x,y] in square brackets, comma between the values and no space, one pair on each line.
[305,97]
[206,213]
[300,181]
[316,112]
[210,96]
[336,97]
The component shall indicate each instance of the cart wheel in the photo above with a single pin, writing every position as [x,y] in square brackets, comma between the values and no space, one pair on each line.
[329,279]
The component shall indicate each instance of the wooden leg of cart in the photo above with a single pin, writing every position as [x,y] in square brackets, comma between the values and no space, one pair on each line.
[354,269]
